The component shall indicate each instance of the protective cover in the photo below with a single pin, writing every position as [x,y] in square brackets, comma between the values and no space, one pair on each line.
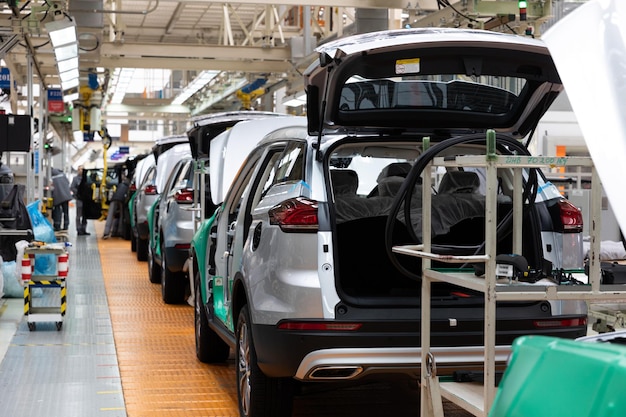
[594,75]
[42,232]
[13,216]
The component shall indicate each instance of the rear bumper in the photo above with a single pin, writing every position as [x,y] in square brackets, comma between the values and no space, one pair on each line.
[335,364]
[391,348]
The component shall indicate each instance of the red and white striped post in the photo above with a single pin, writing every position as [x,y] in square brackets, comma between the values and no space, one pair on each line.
[27,270]
[62,265]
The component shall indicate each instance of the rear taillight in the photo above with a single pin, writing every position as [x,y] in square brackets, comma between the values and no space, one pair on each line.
[150,190]
[132,188]
[184,196]
[560,323]
[295,215]
[319,326]
[571,217]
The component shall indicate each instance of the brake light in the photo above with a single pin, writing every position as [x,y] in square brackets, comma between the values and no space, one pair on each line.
[319,326]
[571,217]
[150,190]
[184,195]
[132,187]
[295,215]
[182,246]
[556,324]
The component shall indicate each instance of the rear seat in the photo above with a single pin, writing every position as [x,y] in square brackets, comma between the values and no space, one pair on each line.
[349,205]
[456,202]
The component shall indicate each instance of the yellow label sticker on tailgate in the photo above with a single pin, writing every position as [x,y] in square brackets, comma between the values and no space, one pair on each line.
[408,66]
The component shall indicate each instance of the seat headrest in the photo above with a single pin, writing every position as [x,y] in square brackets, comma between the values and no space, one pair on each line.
[395,169]
[344,181]
[459,182]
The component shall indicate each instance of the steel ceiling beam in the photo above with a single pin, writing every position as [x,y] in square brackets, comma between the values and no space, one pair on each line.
[145,110]
[252,66]
[191,51]
[368,4]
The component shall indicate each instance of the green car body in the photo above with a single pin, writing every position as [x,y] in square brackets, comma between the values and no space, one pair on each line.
[131,209]
[199,251]
[154,237]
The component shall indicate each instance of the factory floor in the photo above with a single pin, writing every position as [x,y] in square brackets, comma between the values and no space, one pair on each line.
[122,352]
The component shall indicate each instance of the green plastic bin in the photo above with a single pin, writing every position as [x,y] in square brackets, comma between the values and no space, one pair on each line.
[552,377]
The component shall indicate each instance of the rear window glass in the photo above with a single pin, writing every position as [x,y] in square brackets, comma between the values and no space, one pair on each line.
[476,94]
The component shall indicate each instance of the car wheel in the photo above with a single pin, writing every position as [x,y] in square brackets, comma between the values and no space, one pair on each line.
[172,283]
[257,394]
[154,269]
[128,234]
[133,243]
[210,348]
[142,249]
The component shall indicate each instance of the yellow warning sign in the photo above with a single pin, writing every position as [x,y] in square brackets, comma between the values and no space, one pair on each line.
[407,66]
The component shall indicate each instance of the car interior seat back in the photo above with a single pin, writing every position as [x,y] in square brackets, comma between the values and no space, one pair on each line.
[459,182]
[344,182]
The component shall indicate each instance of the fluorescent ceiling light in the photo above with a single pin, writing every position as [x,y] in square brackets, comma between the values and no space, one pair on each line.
[66,52]
[68,64]
[70,83]
[68,75]
[139,81]
[62,32]
[295,100]
[121,82]
[63,38]
[196,85]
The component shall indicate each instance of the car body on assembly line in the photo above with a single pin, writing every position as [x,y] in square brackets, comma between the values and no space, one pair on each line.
[147,192]
[138,174]
[299,274]
[171,215]
[170,223]
[224,158]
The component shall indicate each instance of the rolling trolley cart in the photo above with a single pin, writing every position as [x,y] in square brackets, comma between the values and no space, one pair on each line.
[35,313]
[478,398]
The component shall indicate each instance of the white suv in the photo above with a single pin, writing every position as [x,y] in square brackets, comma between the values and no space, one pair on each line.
[299,276]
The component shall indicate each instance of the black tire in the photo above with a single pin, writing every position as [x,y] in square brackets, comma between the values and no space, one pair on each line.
[257,394]
[128,234]
[133,243]
[210,348]
[142,249]
[173,284]
[154,269]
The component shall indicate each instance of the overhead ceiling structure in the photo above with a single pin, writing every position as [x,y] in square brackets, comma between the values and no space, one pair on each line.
[235,46]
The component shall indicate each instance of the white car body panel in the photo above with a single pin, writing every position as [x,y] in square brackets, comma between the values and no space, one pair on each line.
[142,168]
[230,148]
[594,75]
[166,162]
